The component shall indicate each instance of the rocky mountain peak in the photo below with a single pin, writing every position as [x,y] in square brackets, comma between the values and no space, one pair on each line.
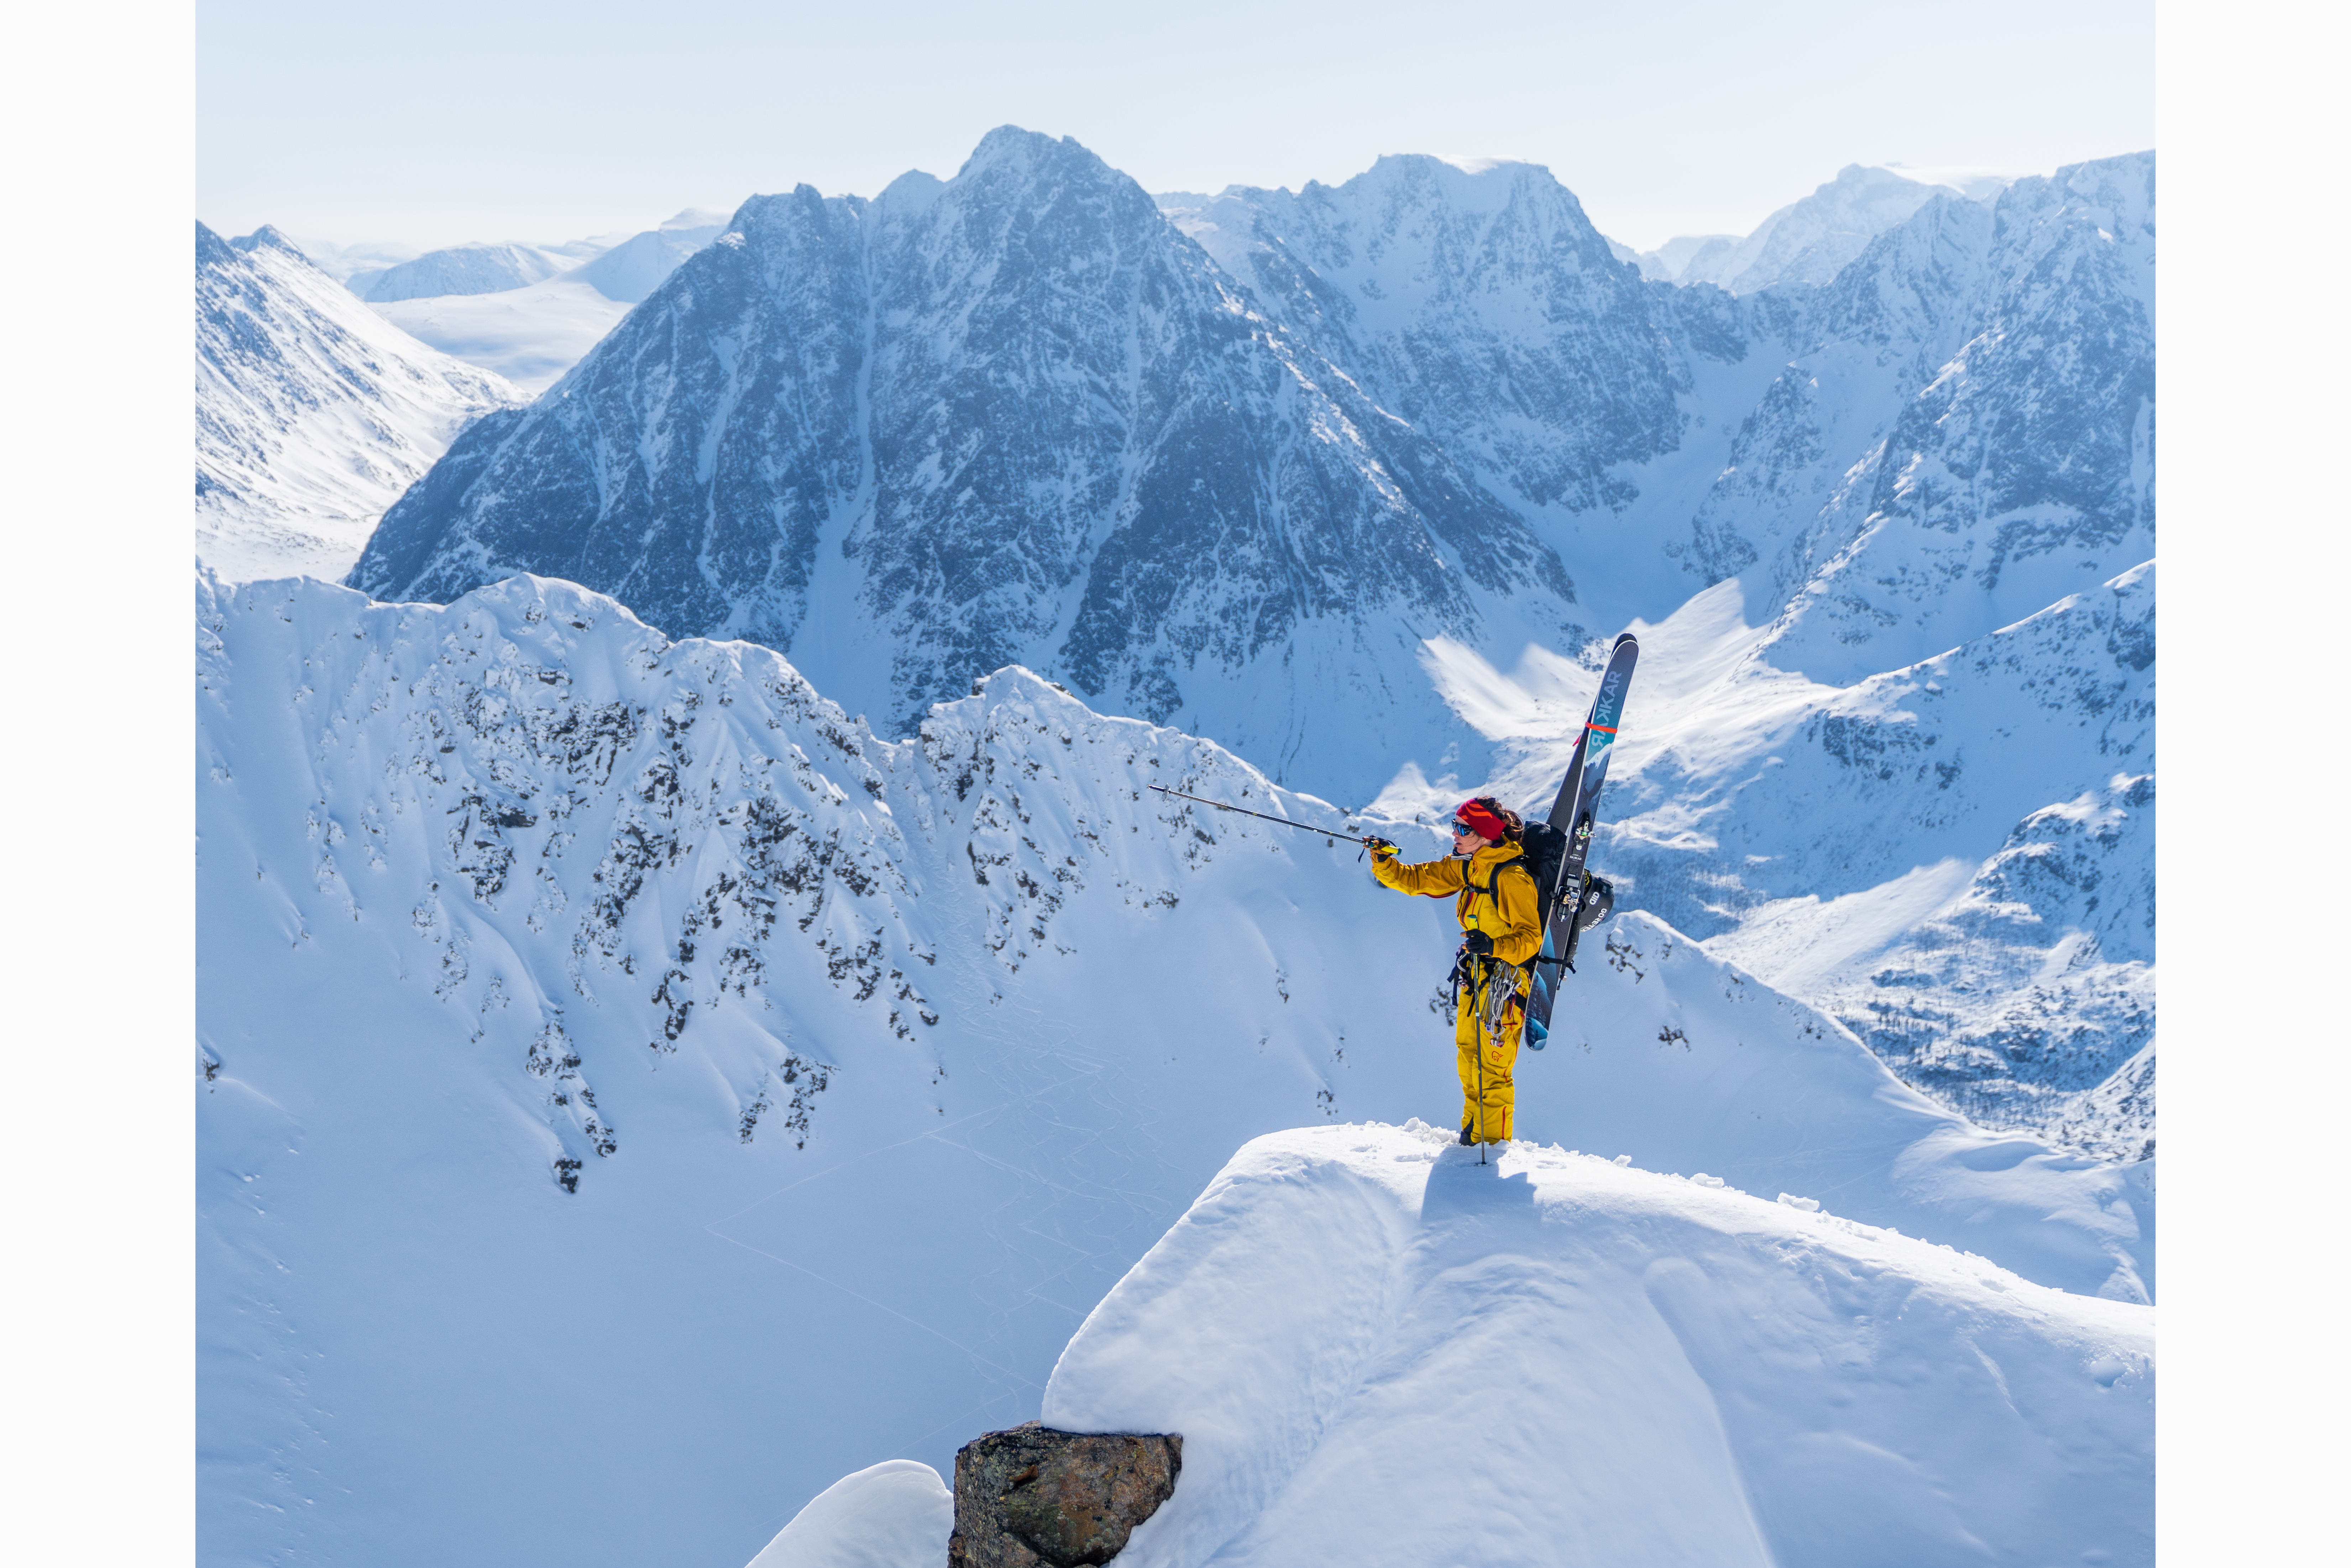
[211,249]
[1015,417]
[269,236]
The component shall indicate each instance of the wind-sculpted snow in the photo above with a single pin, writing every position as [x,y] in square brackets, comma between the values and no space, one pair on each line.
[1379,1351]
[1014,417]
[312,413]
[607,1036]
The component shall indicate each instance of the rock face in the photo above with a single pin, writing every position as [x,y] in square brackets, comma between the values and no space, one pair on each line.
[1237,464]
[1034,1495]
[1013,417]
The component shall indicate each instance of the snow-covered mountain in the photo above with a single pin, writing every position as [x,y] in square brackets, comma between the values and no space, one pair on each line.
[531,323]
[623,268]
[462,270]
[1016,416]
[1800,441]
[607,1037]
[1481,305]
[631,270]
[2017,470]
[343,262]
[1810,241]
[1500,393]
[852,431]
[1670,260]
[313,413]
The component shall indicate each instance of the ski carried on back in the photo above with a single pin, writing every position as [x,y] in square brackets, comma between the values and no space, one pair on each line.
[1571,903]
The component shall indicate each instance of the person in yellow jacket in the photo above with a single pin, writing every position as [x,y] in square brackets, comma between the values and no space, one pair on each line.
[1494,898]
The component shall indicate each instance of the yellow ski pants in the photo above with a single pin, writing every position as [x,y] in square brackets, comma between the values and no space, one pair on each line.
[1486,1064]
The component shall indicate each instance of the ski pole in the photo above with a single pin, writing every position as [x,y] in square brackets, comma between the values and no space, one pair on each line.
[1261,816]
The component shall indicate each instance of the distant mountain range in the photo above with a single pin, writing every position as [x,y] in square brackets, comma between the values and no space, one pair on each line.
[1810,241]
[313,413]
[1352,477]
[1291,469]
[626,271]
[1021,415]
[531,312]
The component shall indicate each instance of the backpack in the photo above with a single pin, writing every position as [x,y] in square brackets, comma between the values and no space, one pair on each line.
[1542,849]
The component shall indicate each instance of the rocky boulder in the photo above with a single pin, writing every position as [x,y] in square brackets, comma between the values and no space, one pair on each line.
[1034,1496]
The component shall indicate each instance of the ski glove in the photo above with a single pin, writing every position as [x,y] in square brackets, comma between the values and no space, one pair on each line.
[1379,846]
[1479,943]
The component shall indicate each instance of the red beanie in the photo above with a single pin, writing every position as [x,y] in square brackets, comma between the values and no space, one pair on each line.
[1475,816]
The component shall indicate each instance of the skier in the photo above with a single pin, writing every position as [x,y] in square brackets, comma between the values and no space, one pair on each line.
[1501,932]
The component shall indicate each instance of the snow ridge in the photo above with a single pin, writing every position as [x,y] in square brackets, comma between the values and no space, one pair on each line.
[313,413]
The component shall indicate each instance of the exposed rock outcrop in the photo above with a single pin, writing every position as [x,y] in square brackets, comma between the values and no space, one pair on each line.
[1034,1496]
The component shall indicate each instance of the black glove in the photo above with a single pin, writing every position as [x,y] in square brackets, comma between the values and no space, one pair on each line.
[1478,942]
[1379,846]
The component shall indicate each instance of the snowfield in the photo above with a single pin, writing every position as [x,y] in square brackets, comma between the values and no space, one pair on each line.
[633,1095]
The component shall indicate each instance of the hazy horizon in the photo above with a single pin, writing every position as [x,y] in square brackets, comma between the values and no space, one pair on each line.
[536,123]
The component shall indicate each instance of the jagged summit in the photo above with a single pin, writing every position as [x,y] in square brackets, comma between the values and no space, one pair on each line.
[1809,241]
[211,249]
[1015,417]
[267,234]
[1011,417]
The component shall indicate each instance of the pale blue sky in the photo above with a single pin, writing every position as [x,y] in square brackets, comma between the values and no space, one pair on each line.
[432,122]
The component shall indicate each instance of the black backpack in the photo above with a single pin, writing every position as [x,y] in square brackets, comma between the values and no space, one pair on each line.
[1543,848]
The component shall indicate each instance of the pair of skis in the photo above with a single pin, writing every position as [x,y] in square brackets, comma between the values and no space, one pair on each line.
[1572,814]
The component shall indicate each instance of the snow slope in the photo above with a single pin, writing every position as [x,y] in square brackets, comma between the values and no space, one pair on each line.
[606,1037]
[312,413]
[632,269]
[1378,1351]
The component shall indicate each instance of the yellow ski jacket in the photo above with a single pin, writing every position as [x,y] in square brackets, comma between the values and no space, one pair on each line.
[1506,913]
